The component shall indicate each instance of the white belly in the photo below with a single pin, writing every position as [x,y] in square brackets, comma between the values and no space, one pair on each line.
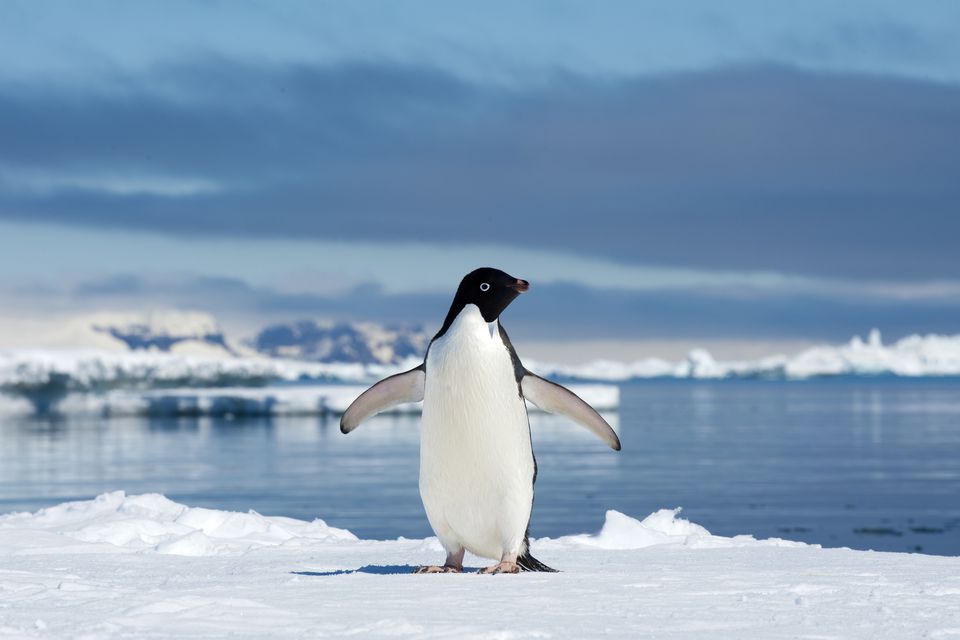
[476,461]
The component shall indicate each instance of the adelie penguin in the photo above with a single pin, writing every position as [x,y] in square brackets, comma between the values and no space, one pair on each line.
[476,459]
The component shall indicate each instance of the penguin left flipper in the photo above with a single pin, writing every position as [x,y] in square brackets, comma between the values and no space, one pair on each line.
[555,398]
[389,392]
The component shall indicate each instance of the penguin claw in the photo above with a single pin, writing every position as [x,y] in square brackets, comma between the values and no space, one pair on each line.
[437,569]
[501,567]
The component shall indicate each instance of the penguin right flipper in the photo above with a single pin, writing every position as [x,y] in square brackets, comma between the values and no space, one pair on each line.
[555,398]
[389,392]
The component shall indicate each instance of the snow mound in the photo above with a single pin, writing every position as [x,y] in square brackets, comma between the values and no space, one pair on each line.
[152,522]
[620,531]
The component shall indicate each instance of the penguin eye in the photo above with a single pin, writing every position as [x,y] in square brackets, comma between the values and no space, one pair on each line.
[484,286]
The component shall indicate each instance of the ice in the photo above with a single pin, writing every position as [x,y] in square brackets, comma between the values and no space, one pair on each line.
[155,523]
[912,356]
[294,400]
[92,369]
[51,379]
[930,355]
[122,566]
[620,531]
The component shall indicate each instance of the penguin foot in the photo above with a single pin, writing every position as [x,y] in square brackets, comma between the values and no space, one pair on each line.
[502,567]
[435,569]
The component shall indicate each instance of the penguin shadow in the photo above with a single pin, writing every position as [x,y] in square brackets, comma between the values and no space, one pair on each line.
[374,569]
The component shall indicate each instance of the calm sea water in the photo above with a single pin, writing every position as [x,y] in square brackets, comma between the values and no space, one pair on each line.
[868,464]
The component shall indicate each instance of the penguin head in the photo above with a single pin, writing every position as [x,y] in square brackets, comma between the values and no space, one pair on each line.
[490,289]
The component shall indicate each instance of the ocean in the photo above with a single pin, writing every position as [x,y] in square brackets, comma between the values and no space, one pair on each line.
[866,463]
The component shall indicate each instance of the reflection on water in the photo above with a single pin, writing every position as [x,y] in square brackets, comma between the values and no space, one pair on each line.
[865,464]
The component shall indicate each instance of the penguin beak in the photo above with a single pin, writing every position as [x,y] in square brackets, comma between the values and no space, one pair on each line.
[520,286]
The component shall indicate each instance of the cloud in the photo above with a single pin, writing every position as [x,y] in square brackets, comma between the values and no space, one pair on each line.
[745,169]
[113,183]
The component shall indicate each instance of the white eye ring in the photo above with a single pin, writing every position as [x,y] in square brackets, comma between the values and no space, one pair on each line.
[484,286]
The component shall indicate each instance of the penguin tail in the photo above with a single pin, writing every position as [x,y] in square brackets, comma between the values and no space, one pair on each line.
[527,562]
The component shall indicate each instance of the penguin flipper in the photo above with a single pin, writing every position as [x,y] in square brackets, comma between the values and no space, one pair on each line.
[555,398]
[389,392]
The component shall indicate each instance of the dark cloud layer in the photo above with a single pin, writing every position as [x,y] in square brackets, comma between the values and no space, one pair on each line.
[766,168]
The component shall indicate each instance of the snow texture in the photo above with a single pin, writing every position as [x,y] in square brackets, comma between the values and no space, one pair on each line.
[365,342]
[181,332]
[148,381]
[294,400]
[913,356]
[198,333]
[930,355]
[144,566]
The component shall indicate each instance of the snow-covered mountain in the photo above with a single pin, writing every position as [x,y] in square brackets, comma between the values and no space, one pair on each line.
[141,351]
[363,342]
[167,331]
[195,333]
[191,333]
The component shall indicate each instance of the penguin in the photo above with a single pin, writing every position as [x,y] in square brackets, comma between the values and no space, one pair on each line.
[477,467]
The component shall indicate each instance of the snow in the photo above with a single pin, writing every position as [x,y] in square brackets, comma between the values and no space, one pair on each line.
[912,356]
[126,382]
[145,566]
[620,531]
[305,399]
[327,341]
[185,332]
[929,355]
[153,522]
[86,369]
[171,323]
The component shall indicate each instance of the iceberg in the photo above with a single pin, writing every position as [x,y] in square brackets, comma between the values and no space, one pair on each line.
[912,356]
[292,400]
[119,382]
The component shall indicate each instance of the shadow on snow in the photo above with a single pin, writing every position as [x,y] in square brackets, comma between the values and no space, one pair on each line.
[375,569]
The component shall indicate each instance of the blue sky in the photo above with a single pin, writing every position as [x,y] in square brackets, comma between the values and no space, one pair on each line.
[688,171]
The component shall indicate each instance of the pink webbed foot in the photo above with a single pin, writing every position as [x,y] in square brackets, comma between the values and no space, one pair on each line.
[504,566]
[453,564]
[436,569]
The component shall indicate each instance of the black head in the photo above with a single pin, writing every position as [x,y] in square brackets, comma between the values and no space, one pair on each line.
[490,289]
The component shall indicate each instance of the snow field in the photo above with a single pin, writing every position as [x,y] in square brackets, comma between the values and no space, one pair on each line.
[144,566]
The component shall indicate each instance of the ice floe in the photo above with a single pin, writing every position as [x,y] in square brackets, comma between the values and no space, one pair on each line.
[292,400]
[125,566]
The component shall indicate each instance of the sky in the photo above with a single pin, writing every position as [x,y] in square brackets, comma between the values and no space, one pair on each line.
[687,171]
